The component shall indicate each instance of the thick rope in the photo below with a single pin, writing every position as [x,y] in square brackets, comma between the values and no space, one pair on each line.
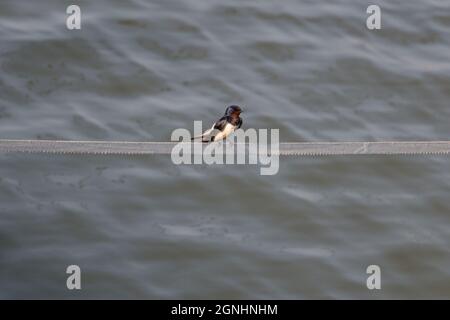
[285,148]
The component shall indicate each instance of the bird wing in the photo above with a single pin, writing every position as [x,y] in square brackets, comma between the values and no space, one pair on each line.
[239,124]
[206,136]
[209,135]
[221,124]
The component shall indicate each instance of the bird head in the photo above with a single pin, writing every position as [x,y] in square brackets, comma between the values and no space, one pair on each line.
[233,111]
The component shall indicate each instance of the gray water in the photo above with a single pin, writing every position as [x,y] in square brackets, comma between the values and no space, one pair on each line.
[142,227]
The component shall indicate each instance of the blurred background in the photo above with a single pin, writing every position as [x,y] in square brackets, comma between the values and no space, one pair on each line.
[141,227]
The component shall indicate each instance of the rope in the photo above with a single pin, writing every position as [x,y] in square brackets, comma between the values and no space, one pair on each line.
[284,148]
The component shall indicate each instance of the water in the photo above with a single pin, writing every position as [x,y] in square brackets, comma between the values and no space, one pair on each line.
[141,227]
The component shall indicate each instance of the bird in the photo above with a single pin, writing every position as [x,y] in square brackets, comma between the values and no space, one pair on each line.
[223,127]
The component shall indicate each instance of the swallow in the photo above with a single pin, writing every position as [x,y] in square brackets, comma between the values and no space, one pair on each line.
[224,126]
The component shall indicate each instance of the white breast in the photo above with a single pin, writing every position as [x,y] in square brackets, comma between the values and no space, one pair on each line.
[229,129]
